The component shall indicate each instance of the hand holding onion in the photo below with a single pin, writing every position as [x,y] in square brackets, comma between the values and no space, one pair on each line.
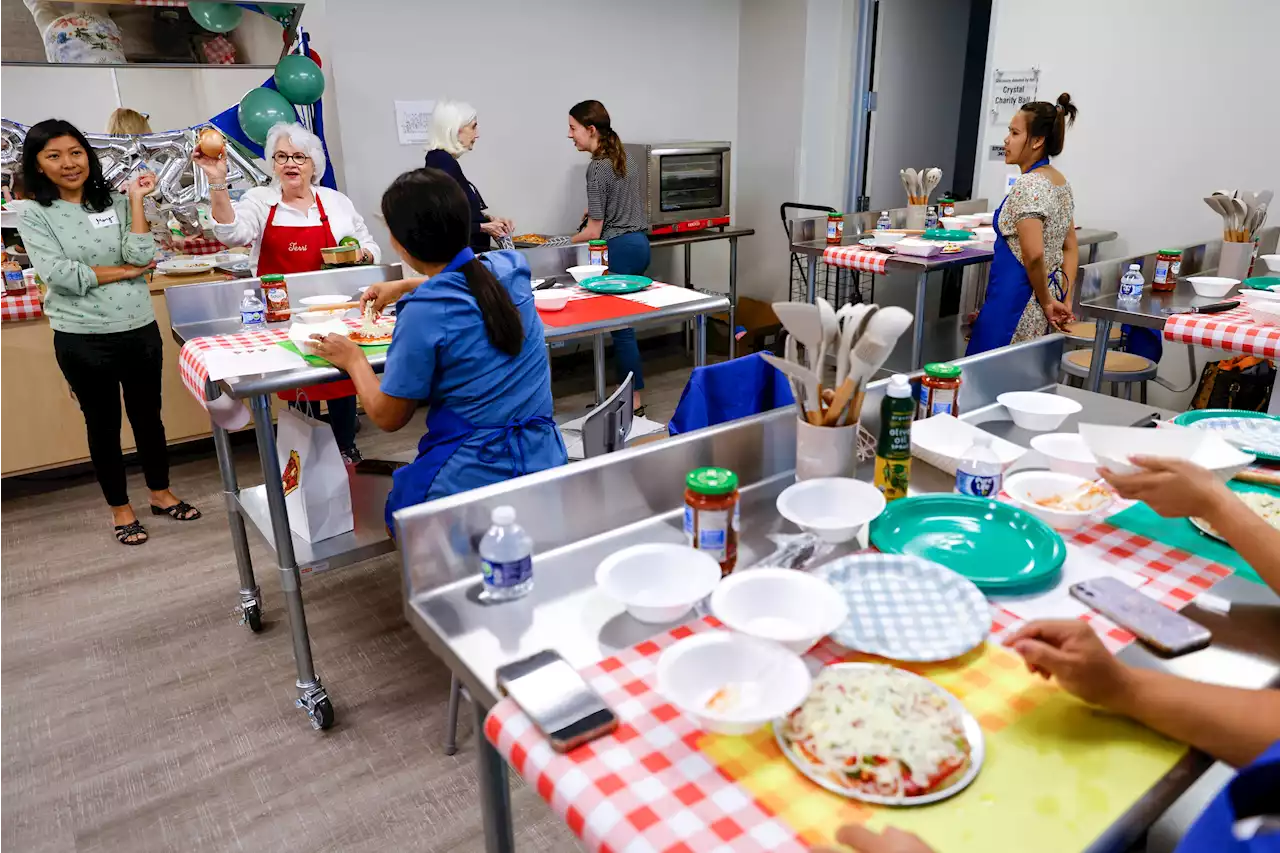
[210,155]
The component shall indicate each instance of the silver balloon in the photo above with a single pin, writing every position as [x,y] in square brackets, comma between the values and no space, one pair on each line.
[11,136]
[252,173]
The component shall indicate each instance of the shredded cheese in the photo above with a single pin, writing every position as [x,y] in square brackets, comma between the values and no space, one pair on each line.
[879,729]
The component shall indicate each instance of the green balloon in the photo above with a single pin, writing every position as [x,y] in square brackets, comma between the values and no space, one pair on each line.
[262,109]
[299,79]
[216,17]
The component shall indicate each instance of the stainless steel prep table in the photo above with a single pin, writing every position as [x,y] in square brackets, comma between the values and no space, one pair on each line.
[552,261]
[804,242]
[1097,294]
[200,310]
[580,514]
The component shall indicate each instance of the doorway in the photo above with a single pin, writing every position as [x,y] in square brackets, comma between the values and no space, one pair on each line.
[919,74]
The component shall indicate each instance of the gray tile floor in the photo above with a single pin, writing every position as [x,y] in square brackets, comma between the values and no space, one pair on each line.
[138,716]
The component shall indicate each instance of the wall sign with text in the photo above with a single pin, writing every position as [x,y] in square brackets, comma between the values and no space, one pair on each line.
[1010,90]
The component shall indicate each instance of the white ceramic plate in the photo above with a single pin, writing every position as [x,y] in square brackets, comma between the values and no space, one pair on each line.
[972,731]
[186,266]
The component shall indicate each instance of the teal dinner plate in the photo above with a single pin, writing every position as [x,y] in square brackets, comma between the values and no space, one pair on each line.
[1253,432]
[1002,549]
[615,284]
[1261,282]
[954,235]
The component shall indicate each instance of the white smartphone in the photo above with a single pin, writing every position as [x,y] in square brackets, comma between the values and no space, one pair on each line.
[560,703]
[1156,625]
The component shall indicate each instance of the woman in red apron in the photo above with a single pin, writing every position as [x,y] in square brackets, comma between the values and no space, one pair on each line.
[288,224]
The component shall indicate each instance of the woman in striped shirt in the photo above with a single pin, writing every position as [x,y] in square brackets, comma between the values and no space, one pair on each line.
[615,213]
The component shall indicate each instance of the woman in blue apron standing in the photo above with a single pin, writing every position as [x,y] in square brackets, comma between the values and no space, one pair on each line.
[468,343]
[1036,254]
[616,214]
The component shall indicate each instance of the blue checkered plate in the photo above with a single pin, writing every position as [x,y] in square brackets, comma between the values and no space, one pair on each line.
[906,608]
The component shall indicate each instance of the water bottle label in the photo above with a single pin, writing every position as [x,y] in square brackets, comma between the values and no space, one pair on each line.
[978,486]
[252,318]
[501,575]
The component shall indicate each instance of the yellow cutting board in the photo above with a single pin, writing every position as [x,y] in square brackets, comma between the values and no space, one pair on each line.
[1057,772]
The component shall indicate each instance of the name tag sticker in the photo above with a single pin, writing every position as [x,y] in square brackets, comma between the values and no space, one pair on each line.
[105,219]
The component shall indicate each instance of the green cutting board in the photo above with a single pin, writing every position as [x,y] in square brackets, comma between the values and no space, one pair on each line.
[1179,533]
[317,361]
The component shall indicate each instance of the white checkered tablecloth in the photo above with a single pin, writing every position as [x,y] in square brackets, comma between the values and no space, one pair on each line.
[855,258]
[649,787]
[1233,331]
[21,306]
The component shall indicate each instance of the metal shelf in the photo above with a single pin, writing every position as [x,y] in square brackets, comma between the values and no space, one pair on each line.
[368,539]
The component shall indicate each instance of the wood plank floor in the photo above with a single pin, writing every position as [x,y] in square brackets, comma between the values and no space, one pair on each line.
[139,716]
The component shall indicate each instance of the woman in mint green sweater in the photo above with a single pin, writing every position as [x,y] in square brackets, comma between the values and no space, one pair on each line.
[92,247]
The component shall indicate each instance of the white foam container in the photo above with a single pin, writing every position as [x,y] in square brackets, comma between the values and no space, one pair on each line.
[1067,454]
[1037,411]
[1025,487]
[786,606]
[1113,446]
[586,271]
[835,509]
[942,439]
[658,582]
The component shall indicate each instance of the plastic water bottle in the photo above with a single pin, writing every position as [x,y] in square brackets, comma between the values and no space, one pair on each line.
[253,314]
[979,473]
[1131,285]
[507,555]
[931,218]
[883,222]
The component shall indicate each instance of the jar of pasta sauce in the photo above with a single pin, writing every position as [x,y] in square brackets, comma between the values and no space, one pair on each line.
[835,228]
[939,391]
[1168,265]
[598,252]
[711,514]
[275,292]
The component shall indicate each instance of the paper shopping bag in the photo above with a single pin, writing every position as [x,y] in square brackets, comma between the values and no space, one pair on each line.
[317,491]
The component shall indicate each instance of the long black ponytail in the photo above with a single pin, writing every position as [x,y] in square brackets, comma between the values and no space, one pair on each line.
[428,214]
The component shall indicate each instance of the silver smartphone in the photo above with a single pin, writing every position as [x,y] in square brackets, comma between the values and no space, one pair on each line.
[560,703]
[1156,625]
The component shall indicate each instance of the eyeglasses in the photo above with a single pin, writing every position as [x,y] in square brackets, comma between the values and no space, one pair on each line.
[281,158]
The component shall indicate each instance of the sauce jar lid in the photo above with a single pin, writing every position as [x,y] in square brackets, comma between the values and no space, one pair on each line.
[1169,252]
[597,242]
[942,370]
[272,277]
[712,481]
[835,215]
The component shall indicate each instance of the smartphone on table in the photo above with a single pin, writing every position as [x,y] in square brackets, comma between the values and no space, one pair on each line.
[561,704]
[1163,629]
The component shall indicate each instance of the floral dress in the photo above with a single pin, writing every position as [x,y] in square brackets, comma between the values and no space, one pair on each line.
[1034,195]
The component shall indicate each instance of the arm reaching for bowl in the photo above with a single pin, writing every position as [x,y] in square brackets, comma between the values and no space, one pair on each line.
[1176,488]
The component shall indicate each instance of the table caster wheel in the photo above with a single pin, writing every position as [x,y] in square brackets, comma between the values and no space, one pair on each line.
[322,714]
[253,618]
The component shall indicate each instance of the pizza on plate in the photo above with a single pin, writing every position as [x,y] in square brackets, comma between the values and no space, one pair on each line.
[378,336]
[879,731]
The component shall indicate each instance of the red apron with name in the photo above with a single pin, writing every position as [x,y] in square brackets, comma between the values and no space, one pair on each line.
[288,250]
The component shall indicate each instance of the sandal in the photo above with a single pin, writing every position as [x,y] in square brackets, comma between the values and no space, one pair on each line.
[638,411]
[127,534]
[181,511]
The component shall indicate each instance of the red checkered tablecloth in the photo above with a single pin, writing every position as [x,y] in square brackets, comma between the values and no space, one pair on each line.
[661,784]
[855,258]
[1233,331]
[21,306]
[198,246]
[219,51]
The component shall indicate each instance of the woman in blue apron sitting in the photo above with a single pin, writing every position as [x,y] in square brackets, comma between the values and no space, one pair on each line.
[468,344]
[1036,254]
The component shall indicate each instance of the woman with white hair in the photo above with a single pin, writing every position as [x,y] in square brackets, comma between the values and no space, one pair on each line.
[288,223]
[452,132]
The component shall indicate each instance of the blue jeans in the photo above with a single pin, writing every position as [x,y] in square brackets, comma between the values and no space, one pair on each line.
[342,417]
[629,255]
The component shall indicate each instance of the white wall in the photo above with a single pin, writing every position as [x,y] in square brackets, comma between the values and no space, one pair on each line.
[665,69]
[794,118]
[1163,120]
[919,60]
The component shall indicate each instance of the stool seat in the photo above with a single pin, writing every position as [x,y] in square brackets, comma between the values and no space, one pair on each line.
[1087,330]
[1116,362]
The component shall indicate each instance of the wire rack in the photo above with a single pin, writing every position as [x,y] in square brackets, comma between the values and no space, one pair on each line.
[837,285]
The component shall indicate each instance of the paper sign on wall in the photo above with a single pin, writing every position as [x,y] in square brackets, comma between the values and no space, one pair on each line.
[1010,90]
[995,152]
[411,121]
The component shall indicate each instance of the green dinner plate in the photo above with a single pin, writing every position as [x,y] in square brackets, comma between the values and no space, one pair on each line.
[615,284]
[1000,548]
[954,235]
[1261,282]
[1194,416]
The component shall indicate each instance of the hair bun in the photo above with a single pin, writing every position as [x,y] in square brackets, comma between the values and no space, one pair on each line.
[1064,100]
[1066,108]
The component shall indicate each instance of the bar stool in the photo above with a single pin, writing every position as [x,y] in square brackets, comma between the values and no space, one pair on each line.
[1082,332]
[1120,368]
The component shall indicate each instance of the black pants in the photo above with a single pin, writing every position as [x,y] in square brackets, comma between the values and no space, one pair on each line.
[98,368]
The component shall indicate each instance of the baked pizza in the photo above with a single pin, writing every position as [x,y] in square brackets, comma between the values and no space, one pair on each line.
[879,731]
